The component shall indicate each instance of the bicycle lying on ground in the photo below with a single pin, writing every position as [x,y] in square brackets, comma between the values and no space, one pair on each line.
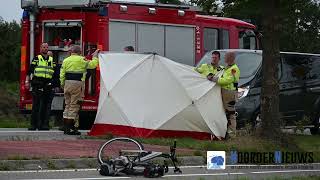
[132,157]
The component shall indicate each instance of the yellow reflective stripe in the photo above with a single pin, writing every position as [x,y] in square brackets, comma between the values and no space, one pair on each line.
[44,76]
[43,72]
[45,67]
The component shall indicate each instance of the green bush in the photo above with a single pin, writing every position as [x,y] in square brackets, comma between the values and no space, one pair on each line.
[10,41]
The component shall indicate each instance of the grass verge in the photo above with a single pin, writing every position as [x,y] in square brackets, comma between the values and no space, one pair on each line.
[11,122]
[246,143]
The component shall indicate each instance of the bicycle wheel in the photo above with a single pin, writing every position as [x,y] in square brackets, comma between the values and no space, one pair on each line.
[111,148]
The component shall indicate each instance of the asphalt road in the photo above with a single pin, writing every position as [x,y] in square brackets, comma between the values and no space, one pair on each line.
[188,173]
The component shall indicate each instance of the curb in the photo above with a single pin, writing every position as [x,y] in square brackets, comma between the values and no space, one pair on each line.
[81,163]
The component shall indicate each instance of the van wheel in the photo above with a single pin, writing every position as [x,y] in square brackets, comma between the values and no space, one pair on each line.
[315,130]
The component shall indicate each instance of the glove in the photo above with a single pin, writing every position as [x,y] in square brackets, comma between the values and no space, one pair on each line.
[215,79]
[210,76]
[95,54]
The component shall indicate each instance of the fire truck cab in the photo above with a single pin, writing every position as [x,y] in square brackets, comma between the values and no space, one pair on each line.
[174,31]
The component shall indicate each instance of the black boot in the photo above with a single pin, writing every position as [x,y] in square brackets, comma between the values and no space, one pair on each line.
[73,128]
[75,132]
[67,126]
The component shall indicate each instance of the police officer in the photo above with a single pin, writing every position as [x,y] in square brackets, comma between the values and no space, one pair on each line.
[72,77]
[229,87]
[212,68]
[44,78]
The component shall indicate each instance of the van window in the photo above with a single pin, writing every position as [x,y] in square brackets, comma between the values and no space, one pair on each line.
[247,62]
[315,67]
[294,67]
[210,38]
[258,81]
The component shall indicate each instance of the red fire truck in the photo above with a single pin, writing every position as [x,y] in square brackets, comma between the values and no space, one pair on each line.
[177,32]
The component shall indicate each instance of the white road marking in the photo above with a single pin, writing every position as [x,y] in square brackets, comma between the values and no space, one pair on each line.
[285,171]
[48,171]
[239,173]
[181,167]
[211,174]
[185,175]
[86,178]
[191,175]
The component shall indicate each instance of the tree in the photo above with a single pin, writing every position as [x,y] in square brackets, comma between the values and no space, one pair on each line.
[9,50]
[301,26]
[245,10]
[209,7]
[271,56]
[299,20]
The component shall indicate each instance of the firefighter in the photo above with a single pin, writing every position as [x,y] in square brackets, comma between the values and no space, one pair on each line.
[72,77]
[229,87]
[44,79]
[209,70]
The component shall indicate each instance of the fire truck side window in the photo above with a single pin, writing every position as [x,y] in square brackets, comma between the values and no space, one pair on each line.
[247,40]
[225,39]
[210,38]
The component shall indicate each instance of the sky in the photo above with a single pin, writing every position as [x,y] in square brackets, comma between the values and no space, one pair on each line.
[10,10]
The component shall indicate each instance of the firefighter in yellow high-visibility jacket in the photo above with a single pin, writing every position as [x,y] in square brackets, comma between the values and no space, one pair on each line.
[229,87]
[212,68]
[72,76]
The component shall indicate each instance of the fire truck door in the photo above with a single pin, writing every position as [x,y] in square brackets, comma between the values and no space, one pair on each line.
[122,34]
[174,42]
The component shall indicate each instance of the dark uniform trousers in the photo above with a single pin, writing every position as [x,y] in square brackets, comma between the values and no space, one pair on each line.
[41,106]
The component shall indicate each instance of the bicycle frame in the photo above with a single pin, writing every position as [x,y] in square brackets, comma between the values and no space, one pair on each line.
[128,159]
